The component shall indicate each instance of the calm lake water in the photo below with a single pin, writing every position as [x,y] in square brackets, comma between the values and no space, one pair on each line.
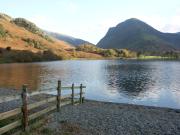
[154,83]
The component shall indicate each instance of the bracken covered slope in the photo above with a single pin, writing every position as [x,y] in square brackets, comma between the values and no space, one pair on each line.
[20,34]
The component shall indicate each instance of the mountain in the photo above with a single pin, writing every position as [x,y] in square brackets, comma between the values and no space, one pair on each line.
[71,40]
[136,35]
[22,41]
[19,34]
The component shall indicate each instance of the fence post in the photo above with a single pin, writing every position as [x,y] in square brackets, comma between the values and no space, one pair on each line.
[58,95]
[72,99]
[24,108]
[80,100]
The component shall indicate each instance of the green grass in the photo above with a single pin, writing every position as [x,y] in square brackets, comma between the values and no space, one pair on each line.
[153,57]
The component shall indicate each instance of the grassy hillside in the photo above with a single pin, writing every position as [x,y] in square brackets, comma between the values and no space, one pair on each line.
[24,37]
[9,56]
[17,36]
[23,41]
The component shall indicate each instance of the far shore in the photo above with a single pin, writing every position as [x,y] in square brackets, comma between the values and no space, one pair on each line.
[104,58]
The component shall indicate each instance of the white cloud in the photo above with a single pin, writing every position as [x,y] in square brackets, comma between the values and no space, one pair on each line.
[173,25]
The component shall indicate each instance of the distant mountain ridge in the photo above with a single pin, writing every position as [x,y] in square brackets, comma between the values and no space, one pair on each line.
[136,35]
[69,39]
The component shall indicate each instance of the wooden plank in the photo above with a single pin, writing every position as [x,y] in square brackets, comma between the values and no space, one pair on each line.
[46,91]
[70,95]
[81,91]
[24,107]
[9,98]
[37,104]
[39,92]
[66,96]
[72,99]
[10,113]
[44,111]
[76,94]
[16,97]
[66,103]
[10,126]
[38,114]
[58,96]
[70,87]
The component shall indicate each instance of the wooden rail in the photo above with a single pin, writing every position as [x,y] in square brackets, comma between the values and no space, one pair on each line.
[56,103]
[18,97]
[9,98]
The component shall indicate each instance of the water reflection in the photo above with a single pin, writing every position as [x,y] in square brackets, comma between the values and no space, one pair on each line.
[131,80]
[14,75]
[154,83]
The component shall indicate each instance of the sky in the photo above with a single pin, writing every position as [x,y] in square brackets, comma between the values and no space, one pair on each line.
[91,19]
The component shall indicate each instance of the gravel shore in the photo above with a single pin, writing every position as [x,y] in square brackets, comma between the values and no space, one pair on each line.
[101,118]
[105,118]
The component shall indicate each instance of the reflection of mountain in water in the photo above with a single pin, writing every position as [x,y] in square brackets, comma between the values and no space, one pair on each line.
[38,76]
[130,80]
[15,75]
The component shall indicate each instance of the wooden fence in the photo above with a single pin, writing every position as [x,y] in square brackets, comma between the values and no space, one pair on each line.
[25,118]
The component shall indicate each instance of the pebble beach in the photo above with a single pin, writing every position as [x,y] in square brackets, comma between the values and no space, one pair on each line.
[106,118]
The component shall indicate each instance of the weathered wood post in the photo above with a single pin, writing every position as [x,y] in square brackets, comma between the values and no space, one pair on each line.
[24,108]
[72,98]
[59,95]
[83,99]
[81,92]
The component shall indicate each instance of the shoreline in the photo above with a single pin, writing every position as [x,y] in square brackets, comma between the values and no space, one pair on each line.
[140,105]
[105,118]
[10,92]
[141,59]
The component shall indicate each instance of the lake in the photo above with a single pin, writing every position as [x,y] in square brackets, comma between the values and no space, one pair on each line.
[153,83]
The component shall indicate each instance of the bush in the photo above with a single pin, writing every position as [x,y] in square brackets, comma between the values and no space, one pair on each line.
[107,52]
[49,55]
[31,27]
[27,56]
[88,48]
[3,32]
[34,43]
[8,48]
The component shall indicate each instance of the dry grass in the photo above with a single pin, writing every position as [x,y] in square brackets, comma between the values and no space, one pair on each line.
[17,34]
[86,55]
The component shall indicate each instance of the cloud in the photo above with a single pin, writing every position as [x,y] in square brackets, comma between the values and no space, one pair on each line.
[173,24]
